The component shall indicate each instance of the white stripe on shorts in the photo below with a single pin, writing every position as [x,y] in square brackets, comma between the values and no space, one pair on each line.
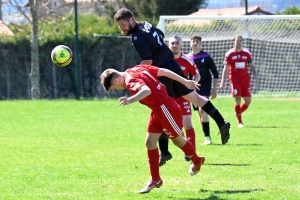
[171,119]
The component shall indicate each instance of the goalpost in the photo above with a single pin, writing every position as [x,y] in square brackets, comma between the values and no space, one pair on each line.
[273,40]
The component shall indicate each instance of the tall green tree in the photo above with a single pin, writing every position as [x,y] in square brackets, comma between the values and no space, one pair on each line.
[154,8]
[292,10]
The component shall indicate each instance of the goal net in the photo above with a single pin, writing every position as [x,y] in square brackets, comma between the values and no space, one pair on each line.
[273,40]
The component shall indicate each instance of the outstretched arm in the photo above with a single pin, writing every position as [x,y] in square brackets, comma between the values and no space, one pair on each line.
[143,92]
[188,83]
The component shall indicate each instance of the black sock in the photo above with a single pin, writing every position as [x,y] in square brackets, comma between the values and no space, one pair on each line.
[163,143]
[213,112]
[205,128]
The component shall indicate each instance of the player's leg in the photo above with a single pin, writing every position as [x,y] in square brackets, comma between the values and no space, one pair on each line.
[189,132]
[153,159]
[163,141]
[193,97]
[246,94]
[236,92]
[212,111]
[205,91]
[171,120]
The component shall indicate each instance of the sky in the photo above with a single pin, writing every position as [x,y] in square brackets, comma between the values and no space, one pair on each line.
[268,5]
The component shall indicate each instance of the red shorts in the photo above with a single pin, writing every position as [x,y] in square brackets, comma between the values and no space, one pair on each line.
[241,89]
[167,119]
[185,106]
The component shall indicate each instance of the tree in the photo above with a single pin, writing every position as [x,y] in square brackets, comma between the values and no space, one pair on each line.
[152,9]
[292,10]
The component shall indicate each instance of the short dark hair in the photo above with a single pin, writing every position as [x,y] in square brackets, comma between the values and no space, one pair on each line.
[196,37]
[123,14]
[106,78]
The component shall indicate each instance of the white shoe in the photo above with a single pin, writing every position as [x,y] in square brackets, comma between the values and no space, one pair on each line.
[207,141]
[150,185]
[240,125]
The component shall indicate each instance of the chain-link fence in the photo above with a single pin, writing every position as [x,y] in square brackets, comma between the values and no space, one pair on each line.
[96,54]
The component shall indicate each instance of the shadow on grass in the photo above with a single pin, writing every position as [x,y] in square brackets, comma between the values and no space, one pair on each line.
[225,164]
[215,193]
[247,144]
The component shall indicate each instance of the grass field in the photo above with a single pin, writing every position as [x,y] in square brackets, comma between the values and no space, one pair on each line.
[95,149]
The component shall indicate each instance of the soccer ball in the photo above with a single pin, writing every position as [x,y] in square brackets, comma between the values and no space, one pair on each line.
[61,55]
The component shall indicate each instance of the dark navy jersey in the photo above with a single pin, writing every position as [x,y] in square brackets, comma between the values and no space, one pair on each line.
[148,42]
[205,65]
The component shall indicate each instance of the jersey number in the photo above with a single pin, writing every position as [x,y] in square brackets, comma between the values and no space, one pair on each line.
[157,37]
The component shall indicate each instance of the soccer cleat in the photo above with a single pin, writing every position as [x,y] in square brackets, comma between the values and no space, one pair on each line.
[195,168]
[224,130]
[163,158]
[240,125]
[186,158]
[207,141]
[150,185]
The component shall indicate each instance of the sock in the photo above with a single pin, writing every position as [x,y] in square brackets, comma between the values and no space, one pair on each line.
[190,152]
[163,143]
[191,136]
[213,112]
[243,107]
[205,128]
[238,113]
[153,159]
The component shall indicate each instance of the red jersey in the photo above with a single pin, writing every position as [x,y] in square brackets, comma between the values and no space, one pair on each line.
[238,63]
[147,75]
[187,65]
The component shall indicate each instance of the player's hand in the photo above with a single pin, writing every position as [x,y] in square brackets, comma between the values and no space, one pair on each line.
[256,78]
[123,101]
[192,85]
[214,93]
[222,85]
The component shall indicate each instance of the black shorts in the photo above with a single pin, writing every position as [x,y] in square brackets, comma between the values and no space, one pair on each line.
[174,88]
[205,90]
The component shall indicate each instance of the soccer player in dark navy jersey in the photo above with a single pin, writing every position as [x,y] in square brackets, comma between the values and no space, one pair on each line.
[149,43]
[207,68]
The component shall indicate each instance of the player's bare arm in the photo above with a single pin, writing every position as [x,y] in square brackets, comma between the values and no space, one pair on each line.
[214,89]
[188,83]
[143,92]
[224,74]
[252,68]
[146,62]
[196,77]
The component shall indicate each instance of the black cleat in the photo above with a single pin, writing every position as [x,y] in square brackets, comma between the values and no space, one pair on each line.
[163,158]
[224,130]
[187,158]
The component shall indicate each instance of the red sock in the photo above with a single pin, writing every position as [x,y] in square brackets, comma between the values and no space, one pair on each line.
[190,152]
[244,107]
[153,159]
[191,136]
[238,113]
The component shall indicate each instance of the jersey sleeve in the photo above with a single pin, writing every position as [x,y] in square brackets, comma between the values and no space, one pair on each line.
[193,70]
[152,69]
[212,67]
[142,47]
[227,60]
[134,84]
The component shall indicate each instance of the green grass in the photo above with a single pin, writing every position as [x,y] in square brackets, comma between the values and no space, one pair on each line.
[84,149]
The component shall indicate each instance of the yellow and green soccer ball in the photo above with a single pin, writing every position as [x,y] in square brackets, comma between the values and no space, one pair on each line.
[61,55]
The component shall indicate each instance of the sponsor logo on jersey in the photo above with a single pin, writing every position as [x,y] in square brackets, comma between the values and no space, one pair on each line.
[234,57]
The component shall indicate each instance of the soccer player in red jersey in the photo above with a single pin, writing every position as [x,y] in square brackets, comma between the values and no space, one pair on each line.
[236,62]
[142,83]
[189,68]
